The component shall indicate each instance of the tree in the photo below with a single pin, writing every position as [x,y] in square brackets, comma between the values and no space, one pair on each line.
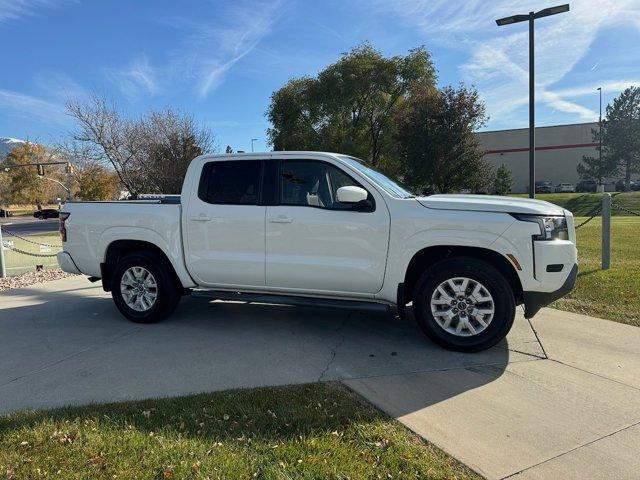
[95,182]
[91,179]
[22,184]
[503,180]
[229,149]
[594,168]
[436,140]
[168,141]
[149,154]
[621,134]
[349,107]
[597,168]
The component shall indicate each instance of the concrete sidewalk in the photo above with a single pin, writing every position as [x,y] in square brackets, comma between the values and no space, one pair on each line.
[574,414]
[567,406]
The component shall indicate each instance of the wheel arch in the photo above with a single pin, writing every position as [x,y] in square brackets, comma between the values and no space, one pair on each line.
[428,256]
[119,248]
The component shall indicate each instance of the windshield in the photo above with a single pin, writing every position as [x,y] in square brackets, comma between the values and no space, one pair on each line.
[388,185]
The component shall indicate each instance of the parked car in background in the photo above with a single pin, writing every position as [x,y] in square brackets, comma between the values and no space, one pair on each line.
[326,229]
[5,213]
[587,186]
[46,213]
[565,188]
[633,185]
[544,187]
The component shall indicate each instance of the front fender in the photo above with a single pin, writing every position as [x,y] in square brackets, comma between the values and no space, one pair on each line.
[442,228]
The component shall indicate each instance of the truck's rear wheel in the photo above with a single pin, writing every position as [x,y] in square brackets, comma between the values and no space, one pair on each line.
[143,287]
[464,304]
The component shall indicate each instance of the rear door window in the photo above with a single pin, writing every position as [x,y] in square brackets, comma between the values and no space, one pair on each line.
[231,182]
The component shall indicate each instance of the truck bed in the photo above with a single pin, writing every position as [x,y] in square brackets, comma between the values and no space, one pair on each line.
[92,226]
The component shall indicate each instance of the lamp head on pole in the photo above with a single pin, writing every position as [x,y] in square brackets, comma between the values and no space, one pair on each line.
[512,19]
[542,13]
[552,11]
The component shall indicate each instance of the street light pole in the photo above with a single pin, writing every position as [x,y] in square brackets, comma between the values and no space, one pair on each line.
[253,140]
[530,17]
[59,183]
[532,110]
[600,135]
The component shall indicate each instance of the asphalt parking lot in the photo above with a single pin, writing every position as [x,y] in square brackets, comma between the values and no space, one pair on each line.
[29,225]
[559,398]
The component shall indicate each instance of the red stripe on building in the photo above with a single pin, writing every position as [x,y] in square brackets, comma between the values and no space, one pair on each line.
[550,147]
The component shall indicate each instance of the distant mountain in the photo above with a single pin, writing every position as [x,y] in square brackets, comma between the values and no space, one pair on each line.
[8,144]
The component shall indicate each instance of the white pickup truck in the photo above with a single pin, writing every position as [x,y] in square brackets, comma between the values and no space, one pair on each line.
[323,228]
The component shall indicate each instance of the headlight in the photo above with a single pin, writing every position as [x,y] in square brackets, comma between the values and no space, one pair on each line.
[551,228]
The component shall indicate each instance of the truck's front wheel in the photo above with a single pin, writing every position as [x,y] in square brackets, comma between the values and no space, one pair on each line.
[464,304]
[143,287]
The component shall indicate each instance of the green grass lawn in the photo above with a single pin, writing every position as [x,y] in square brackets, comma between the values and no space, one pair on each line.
[17,263]
[613,294]
[309,431]
[580,204]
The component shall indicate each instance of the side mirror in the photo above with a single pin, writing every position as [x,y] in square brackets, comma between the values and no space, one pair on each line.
[352,194]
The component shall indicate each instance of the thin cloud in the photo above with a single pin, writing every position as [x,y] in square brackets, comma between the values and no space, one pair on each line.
[27,106]
[207,53]
[15,9]
[59,87]
[212,51]
[607,87]
[137,79]
[559,103]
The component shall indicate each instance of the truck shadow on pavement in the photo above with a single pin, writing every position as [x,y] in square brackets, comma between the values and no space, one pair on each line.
[69,346]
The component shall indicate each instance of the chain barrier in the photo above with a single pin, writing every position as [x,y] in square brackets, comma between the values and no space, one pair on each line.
[592,214]
[30,241]
[598,210]
[623,209]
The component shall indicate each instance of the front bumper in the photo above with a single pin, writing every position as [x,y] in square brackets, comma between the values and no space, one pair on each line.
[67,264]
[534,301]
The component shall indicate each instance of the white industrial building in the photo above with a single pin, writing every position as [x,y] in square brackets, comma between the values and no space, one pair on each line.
[559,150]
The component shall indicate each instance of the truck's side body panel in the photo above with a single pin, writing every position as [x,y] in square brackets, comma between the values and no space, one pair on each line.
[224,243]
[438,227]
[325,250]
[319,249]
[93,226]
[228,247]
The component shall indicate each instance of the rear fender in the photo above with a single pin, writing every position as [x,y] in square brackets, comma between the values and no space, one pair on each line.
[172,250]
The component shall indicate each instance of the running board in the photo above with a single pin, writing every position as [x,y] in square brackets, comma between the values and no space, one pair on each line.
[291,300]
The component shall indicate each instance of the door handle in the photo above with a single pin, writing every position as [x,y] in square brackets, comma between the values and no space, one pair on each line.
[281,219]
[202,217]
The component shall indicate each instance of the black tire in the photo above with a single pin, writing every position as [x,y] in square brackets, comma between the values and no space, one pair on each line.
[490,278]
[168,290]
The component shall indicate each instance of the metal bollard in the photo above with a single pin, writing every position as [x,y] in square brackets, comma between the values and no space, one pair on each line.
[3,271]
[606,231]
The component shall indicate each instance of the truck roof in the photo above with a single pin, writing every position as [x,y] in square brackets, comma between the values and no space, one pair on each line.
[276,154]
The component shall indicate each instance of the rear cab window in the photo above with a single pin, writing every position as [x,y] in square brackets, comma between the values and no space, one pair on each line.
[233,182]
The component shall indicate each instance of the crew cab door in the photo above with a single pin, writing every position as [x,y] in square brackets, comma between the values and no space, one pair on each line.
[224,224]
[314,243]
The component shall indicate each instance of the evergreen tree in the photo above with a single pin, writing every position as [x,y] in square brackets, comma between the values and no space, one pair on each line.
[503,181]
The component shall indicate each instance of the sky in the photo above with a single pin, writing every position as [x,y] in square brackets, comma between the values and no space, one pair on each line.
[219,61]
